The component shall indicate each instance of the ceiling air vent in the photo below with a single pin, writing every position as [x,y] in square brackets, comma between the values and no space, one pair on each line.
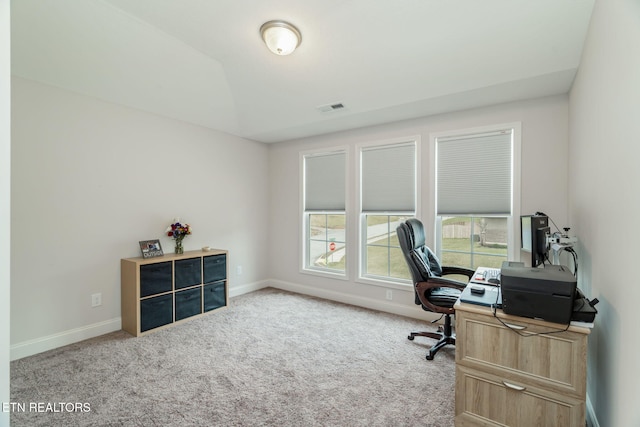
[331,107]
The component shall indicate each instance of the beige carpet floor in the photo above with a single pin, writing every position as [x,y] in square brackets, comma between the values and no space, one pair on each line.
[272,358]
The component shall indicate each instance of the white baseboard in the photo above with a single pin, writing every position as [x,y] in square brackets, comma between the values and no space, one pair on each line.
[592,420]
[38,345]
[235,291]
[360,301]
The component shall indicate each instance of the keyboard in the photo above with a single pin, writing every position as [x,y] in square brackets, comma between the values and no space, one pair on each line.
[484,274]
[491,273]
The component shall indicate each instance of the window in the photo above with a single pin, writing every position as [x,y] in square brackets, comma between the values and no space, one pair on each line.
[471,241]
[476,174]
[327,242]
[384,258]
[324,216]
[388,195]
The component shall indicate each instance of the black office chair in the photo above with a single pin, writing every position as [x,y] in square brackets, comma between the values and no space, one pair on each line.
[433,292]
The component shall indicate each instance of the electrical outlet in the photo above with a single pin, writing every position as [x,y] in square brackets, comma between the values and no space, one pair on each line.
[389,294]
[239,270]
[96,300]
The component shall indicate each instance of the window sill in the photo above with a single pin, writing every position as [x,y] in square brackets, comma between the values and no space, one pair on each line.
[325,273]
[389,284]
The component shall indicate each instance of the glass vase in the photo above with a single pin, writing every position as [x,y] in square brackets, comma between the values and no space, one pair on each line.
[179,248]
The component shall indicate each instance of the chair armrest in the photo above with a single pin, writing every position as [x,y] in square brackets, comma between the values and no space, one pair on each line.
[457,270]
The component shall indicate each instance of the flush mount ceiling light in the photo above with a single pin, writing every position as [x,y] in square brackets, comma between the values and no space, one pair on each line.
[280,37]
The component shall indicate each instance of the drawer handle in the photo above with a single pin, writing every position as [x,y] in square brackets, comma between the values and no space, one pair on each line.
[518,327]
[514,387]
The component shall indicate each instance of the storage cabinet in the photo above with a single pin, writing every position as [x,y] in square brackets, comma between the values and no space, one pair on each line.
[157,292]
[515,371]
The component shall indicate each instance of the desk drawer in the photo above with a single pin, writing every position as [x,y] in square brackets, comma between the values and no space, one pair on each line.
[533,355]
[488,400]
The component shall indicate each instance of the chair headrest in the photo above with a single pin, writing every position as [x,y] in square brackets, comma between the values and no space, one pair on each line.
[417,233]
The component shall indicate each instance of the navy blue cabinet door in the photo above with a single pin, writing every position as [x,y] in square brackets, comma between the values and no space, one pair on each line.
[188,272]
[188,303]
[156,311]
[215,296]
[155,278]
[215,268]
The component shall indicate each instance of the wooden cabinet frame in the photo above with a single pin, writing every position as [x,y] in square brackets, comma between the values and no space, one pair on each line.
[517,371]
[133,300]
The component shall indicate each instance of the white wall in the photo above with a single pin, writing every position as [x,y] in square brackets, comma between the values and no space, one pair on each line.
[544,188]
[604,203]
[90,179]
[5,202]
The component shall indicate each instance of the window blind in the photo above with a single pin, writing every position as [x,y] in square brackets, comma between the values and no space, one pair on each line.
[474,174]
[325,182]
[388,178]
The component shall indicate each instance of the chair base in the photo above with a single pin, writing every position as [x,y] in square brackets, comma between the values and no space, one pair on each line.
[446,337]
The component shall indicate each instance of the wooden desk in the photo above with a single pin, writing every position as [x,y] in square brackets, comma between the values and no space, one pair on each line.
[520,376]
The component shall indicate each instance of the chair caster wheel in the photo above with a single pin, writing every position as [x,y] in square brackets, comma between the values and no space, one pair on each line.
[429,357]
[411,337]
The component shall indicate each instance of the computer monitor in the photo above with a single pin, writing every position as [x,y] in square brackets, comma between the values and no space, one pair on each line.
[534,232]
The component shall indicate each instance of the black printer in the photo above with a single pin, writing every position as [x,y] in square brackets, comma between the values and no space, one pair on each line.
[543,293]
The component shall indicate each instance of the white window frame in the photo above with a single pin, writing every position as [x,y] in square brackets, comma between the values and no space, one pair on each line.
[304,216]
[513,222]
[362,277]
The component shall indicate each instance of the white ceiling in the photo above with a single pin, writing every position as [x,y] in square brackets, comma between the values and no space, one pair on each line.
[203,61]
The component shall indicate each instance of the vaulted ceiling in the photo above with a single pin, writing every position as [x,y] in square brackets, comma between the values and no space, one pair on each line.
[203,61]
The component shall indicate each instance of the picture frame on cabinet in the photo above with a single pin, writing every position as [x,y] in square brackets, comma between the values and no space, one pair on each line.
[151,248]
